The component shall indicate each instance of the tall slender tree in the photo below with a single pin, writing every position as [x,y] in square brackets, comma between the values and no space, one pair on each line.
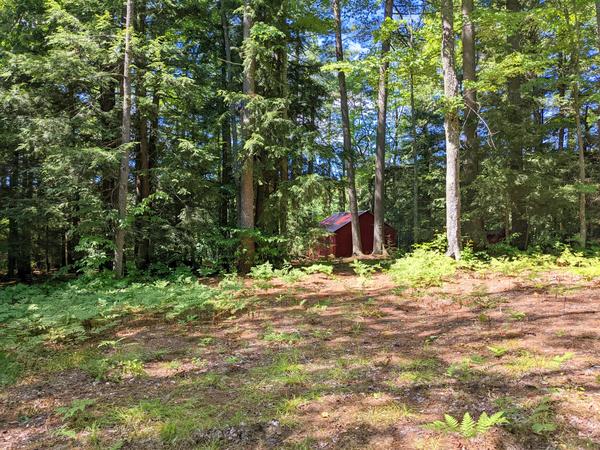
[597,4]
[452,129]
[142,181]
[378,204]
[516,117]
[347,139]
[576,37]
[247,175]
[227,120]
[475,225]
[125,140]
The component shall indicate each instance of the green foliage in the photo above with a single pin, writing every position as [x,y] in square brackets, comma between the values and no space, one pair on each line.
[498,351]
[538,417]
[271,335]
[319,268]
[422,268]
[468,427]
[9,369]
[364,271]
[76,411]
[263,272]
[32,316]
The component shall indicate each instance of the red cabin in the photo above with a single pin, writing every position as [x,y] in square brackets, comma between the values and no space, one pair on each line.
[339,242]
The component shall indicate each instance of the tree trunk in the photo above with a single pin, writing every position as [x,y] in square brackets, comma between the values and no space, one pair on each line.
[378,210]
[516,117]
[452,128]
[142,181]
[347,154]
[581,161]
[283,162]
[579,133]
[13,226]
[247,175]
[415,158]
[125,139]
[475,225]
[597,3]
[226,124]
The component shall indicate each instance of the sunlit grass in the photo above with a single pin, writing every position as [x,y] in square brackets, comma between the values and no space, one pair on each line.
[385,415]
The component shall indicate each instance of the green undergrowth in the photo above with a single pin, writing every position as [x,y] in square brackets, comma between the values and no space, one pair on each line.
[35,318]
[428,266]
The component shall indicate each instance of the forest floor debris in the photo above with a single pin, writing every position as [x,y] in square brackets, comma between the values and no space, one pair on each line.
[330,361]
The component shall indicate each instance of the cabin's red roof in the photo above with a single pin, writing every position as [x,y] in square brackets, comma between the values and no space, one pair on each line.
[336,221]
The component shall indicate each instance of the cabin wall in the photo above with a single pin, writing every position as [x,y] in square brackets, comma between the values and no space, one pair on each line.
[339,243]
[343,237]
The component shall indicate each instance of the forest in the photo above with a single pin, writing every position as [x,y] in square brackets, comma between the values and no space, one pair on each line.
[300,224]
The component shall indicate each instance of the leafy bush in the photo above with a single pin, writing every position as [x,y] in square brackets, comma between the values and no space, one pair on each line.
[262,272]
[422,268]
[319,268]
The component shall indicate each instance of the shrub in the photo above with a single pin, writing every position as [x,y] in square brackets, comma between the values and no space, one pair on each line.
[422,268]
[262,272]
[319,268]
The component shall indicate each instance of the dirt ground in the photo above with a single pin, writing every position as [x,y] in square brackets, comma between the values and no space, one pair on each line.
[336,362]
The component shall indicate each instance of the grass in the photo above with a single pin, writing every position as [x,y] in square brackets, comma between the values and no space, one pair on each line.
[525,362]
[386,414]
[418,371]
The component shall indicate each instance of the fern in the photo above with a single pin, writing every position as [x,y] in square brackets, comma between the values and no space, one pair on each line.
[468,427]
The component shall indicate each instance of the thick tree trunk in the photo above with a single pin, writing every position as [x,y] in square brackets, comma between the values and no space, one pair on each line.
[348,153]
[452,128]
[247,175]
[125,139]
[378,210]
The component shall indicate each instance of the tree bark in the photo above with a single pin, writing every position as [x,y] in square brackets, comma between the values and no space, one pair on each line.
[247,175]
[581,165]
[13,226]
[226,124]
[284,92]
[475,225]
[580,141]
[452,129]
[142,181]
[597,3]
[519,222]
[125,139]
[347,139]
[378,209]
[415,157]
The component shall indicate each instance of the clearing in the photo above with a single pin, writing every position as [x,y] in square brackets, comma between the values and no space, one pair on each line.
[327,361]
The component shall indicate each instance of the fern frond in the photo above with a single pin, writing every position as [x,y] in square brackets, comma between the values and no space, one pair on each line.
[451,422]
[468,426]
